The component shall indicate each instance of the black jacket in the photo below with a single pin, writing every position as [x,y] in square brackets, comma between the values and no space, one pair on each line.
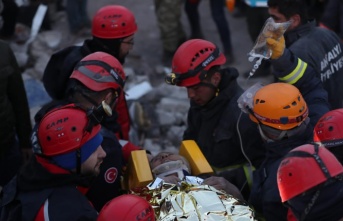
[213,127]
[14,107]
[60,67]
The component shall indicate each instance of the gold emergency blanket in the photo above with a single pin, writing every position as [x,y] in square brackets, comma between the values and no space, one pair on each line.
[194,203]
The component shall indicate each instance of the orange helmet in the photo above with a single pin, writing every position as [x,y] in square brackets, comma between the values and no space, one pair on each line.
[113,21]
[99,71]
[127,208]
[329,129]
[304,168]
[191,61]
[280,106]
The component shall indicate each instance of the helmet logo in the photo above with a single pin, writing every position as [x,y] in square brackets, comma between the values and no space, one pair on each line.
[55,123]
[143,214]
[111,175]
[207,61]
[115,75]
[112,16]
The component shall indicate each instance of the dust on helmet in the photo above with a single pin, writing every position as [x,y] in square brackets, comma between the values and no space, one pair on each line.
[329,129]
[64,130]
[113,21]
[99,71]
[280,106]
[304,168]
[126,208]
[192,60]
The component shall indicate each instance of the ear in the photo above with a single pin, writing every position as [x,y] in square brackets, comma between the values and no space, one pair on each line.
[215,79]
[296,21]
[109,97]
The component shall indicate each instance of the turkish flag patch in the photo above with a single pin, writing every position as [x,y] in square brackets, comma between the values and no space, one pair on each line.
[111,175]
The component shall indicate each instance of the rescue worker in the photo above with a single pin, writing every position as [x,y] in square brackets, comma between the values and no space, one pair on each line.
[319,48]
[214,115]
[67,156]
[281,115]
[309,179]
[113,30]
[328,132]
[96,84]
[285,114]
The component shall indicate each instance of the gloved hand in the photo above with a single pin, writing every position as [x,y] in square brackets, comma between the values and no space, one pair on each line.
[277,47]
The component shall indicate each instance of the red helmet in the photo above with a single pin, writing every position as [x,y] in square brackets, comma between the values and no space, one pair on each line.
[113,21]
[304,168]
[64,130]
[329,130]
[191,60]
[127,208]
[99,71]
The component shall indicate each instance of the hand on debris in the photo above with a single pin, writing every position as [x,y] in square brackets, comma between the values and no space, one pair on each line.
[277,46]
[221,183]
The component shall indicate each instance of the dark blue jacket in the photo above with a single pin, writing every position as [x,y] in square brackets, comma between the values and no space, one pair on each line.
[288,68]
[265,196]
[322,50]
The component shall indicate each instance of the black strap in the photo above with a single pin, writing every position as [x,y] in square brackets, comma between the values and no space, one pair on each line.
[314,156]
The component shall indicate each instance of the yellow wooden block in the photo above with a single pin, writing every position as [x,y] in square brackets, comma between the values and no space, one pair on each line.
[191,151]
[138,172]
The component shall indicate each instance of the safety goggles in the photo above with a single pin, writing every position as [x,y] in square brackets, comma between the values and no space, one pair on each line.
[275,134]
